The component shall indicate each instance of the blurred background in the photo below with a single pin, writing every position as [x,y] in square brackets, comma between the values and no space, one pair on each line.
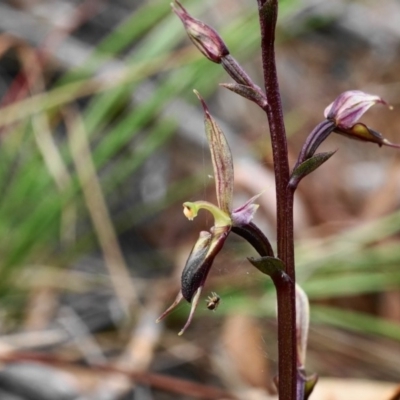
[102,141]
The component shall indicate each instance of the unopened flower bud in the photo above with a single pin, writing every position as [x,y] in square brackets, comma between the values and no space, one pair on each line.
[205,38]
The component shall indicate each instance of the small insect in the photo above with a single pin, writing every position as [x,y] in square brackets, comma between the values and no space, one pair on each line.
[213,301]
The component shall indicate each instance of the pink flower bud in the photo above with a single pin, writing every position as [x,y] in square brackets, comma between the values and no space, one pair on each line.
[205,38]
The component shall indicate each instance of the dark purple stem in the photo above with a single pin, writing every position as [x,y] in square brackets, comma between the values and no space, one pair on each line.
[268,11]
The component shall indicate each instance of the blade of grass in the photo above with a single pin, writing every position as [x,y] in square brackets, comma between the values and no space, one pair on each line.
[355,321]
[345,284]
[96,205]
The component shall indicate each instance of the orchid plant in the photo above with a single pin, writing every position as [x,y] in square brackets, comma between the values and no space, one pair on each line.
[210,243]
[341,116]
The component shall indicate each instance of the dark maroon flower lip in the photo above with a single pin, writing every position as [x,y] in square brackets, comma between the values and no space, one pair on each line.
[200,260]
[197,267]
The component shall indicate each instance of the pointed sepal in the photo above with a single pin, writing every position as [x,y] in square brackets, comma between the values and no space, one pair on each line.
[221,158]
[195,302]
[178,299]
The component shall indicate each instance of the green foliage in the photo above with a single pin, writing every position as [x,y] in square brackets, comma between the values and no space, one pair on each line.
[34,203]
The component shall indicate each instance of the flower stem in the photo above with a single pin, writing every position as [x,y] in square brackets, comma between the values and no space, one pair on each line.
[256,238]
[286,297]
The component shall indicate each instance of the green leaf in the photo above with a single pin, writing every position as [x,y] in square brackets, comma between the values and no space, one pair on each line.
[271,266]
[308,166]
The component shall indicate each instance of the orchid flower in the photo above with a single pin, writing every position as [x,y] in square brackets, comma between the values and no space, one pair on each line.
[348,108]
[342,116]
[210,242]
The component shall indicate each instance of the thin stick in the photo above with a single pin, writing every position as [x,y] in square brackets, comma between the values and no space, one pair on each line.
[163,382]
[96,205]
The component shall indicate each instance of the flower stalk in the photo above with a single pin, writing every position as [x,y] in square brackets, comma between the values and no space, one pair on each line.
[286,297]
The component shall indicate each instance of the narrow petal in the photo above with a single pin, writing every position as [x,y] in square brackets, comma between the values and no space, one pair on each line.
[171,307]
[221,158]
[244,214]
[195,302]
